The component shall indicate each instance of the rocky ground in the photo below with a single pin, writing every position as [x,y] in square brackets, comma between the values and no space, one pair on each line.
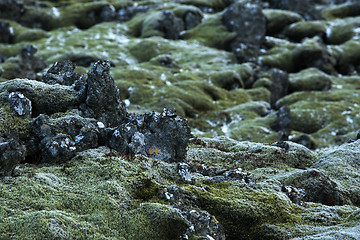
[187,119]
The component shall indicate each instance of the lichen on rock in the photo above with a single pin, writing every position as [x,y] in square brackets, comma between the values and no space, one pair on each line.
[188,119]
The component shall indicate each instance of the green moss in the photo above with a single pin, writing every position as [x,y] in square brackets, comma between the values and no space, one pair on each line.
[9,121]
[278,59]
[216,4]
[309,29]
[350,52]
[10,50]
[156,221]
[149,48]
[211,32]
[223,200]
[340,33]
[340,10]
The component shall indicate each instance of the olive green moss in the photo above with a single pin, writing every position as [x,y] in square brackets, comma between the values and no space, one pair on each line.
[216,4]
[223,201]
[332,114]
[340,10]
[86,198]
[102,195]
[306,29]
[211,32]
[9,121]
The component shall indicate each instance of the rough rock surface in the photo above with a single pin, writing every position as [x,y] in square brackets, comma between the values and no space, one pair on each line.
[247,21]
[93,138]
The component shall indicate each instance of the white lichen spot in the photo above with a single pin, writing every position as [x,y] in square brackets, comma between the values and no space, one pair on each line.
[225,128]
[127,102]
[56,12]
[349,120]
[168,195]
[100,125]
[163,77]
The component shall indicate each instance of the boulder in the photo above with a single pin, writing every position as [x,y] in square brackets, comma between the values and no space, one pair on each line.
[191,16]
[102,96]
[310,79]
[6,32]
[306,29]
[44,98]
[12,152]
[164,24]
[248,23]
[163,136]
[277,20]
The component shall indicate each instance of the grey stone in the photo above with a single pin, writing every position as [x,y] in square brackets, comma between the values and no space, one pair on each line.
[310,79]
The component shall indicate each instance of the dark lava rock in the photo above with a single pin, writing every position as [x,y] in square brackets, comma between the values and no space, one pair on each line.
[282,123]
[6,34]
[104,14]
[102,96]
[179,197]
[281,144]
[249,24]
[190,15]
[30,64]
[11,9]
[12,152]
[184,171]
[305,140]
[165,61]
[61,73]
[126,13]
[2,58]
[163,136]
[295,195]
[20,104]
[28,51]
[202,223]
[277,81]
[205,225]
[57,149]
[82,108]
[319,188]
[280,85]
[60,138]
[232,174]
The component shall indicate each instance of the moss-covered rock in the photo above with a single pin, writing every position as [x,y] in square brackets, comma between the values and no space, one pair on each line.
[300,30]
[277,20]
[211,32]
[310,79]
